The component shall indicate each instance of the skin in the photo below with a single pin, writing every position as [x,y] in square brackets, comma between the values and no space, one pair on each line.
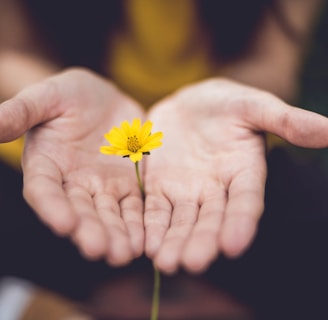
[73,188]
[201,199]
[205,185]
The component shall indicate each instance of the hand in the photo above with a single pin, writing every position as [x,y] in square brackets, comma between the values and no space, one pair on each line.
[75,189]
[205,185]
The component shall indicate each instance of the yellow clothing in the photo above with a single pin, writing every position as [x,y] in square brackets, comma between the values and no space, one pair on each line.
[11,152]
[161,49]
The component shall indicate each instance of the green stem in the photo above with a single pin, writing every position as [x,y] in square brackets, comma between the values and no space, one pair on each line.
[157,278]
[155,303]
[139,180]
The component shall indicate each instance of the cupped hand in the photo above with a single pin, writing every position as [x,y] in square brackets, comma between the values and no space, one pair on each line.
[74,188]
[205,185]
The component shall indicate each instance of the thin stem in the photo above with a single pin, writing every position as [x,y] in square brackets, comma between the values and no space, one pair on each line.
[139,180]
[156,296]
[157,278]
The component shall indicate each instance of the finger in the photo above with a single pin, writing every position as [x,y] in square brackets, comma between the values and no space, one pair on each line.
[132,214]
[119,250]
[90,235]
[203,243]
[33,105]
[44,192]
[244,208]
[184,216]
[300,127]
[157,217]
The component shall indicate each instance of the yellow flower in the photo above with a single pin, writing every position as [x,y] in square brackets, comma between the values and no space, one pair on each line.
[132,141]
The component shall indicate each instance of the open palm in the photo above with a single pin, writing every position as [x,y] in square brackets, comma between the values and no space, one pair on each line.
[72,187]
[205,186]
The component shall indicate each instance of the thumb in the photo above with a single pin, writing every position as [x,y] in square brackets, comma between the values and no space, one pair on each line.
[299,127]
[34,105]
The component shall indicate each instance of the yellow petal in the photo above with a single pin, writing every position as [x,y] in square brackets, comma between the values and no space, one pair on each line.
[154,137]
[157,135]
[123,152]
[118,132]
[135,128]
[116,141]
[126,128]
[152,142]
[108,150]
[145,131]
[136,156]
[150,146]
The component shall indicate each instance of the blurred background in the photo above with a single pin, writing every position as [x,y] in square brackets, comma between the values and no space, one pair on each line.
[282,276]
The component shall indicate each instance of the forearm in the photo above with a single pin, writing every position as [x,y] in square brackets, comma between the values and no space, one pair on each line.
[275,59]
[17,70]
[23,60]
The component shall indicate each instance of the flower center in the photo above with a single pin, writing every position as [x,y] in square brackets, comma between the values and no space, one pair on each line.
[133,144]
